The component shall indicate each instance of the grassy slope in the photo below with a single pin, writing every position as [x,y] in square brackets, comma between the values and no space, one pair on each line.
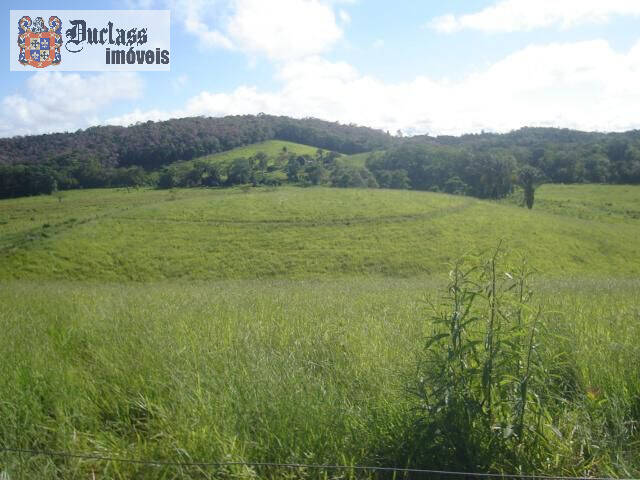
[358,159]
[270,147]
[293,232]
[609,203]
[305,370]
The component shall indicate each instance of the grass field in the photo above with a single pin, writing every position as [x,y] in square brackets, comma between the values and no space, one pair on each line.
[271,148]
[297,233]
[357,159]
[615,203]
[285,325]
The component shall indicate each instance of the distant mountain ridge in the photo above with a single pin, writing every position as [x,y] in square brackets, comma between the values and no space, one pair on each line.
[178,153]
[154,144]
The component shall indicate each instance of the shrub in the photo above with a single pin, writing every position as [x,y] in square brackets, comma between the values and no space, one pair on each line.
[352,176]
[481,380]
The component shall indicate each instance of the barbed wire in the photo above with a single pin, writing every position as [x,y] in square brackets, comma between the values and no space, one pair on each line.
[370,468]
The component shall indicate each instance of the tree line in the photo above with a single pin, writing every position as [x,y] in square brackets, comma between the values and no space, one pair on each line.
[152,145]
[167,154]
[323,168]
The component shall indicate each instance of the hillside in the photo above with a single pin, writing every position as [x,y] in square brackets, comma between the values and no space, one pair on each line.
[605,203]
[194,152]
[358,159]
[271,148]
[286,324]
[293,232]
[154,144]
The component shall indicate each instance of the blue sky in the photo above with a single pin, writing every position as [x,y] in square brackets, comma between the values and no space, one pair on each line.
[421,67]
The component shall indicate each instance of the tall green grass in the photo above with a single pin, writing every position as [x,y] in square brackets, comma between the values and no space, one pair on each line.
[604,203]
[291,371]
[290,324]
[199,234]
[498,386]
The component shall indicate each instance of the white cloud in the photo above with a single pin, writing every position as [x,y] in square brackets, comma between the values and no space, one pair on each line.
[193,14]
[138,115]
[585,85]
[180,82]
[283,29]
[139,4]
[344,16]
[524,15]
[279,29]
[54,101]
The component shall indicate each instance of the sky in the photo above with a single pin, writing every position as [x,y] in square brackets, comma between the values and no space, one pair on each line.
[434,67]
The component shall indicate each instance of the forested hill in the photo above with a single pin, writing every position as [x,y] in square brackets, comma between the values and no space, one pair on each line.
[180,153]
[154,144]
[525,137]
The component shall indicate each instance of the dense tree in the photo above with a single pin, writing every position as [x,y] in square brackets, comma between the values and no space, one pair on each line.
[352,176]
[128,177]
[167,154]
[490,175]
[23,180]
[451,169]
[528,177]
[456,186]
[597,167]
[316,173]
[397,179]
[294,167]
[154,144]
[241,172]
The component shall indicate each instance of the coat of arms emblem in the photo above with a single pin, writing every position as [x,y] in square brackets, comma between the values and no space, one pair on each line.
[39,44]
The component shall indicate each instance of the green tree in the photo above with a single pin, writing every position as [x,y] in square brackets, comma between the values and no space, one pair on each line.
[240,172]
[316,173]
[294,167]
[353,176]
[455,186]
[528,177]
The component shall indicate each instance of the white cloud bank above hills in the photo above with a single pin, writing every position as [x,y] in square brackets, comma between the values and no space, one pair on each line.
[58,102]
[281,30]
[584,85]
[525,15]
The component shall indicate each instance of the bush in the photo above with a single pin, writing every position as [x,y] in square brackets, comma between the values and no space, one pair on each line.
[455,186]
[397,179]
[352,176]
[481,389]
[240,172]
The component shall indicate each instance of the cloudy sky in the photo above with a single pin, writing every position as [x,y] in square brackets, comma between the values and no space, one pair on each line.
[437,67]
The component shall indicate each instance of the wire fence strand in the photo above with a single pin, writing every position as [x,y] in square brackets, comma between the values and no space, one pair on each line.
[311,466]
